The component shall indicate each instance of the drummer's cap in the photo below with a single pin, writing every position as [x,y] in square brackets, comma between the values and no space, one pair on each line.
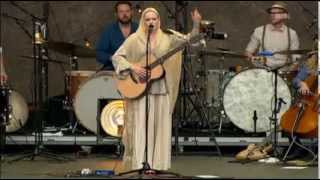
[278,5]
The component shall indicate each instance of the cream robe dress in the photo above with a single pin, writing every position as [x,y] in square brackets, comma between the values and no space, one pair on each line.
[162,98]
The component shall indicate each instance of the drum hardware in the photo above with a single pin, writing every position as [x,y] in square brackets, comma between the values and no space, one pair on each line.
[48,59]
[85,102]
[277,103]
[4,115]
[112,118]
[71,49]
[255,118]
[251,90]
[276,110]
[73,81]
[199,105]
[223,77]
[224,53]
[297,51]
[40,93]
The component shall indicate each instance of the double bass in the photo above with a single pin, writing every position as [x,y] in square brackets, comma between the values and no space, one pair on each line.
[302,117]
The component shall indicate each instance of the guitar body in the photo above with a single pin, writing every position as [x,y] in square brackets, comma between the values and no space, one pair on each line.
[131,87]
[308,124]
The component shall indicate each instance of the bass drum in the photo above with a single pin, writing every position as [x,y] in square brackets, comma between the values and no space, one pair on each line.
[250,91]
[19,112]
[112,118]
[100,86]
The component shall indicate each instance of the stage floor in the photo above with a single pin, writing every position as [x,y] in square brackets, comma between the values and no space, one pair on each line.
[184,164]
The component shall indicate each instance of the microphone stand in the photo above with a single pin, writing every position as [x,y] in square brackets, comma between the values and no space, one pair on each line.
[276,109]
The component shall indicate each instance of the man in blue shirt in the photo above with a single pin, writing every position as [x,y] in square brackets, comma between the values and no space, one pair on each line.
[298,81]
[115,34]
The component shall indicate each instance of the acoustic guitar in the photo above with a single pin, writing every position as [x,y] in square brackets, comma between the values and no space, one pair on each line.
[132,87]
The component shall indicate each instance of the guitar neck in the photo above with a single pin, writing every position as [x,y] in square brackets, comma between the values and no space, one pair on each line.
[163,58]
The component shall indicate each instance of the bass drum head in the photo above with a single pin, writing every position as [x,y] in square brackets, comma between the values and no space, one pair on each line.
[19,112]
[253,90]
[112,118]
[98,87]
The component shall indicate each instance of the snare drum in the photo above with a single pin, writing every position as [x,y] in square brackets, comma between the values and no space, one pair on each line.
[74,79]
[100,86]
[253,90]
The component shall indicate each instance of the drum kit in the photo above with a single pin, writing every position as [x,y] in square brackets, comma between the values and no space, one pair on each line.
[246,96]
[84,92]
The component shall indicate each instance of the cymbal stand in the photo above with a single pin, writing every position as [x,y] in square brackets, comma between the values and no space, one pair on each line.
[4,110]
[217,103]
[74,62]
[199,107]
[68,101]
[40,29]
[221,88]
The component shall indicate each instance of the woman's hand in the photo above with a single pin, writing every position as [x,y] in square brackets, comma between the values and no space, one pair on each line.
[140,71]
[196,16]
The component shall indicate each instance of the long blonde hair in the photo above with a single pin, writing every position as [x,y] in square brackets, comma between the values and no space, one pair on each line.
[141,31]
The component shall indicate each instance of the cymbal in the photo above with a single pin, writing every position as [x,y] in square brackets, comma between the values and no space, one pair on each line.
[46,59]
[290,52]
[220,53]
[71,49]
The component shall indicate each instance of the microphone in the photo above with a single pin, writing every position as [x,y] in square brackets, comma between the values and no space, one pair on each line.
[283,101]
[280,103]
[218,35]
[150,28]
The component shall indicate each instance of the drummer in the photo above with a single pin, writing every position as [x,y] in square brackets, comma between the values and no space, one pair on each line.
[272,37]
[114,34]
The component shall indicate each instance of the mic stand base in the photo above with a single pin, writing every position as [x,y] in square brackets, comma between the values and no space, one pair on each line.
[146,171]
[39,149]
